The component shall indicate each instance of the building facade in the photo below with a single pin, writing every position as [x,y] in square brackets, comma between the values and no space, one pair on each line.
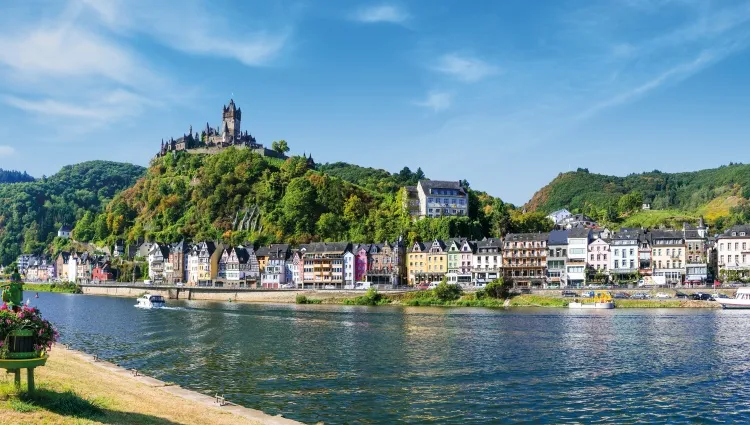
[733,253]
[487,261]
[525,259]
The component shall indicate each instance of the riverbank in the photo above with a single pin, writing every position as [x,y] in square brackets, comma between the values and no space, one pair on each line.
[74,388]
[539,298]
[63,288]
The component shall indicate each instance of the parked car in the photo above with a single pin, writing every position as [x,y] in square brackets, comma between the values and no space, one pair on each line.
[682,295]
[329,287]
[362,285]
[434,285]
[701,296]
[717,296]
[179,284]
[587,294]
[423,286]
[662,295]
[289,286]
[621,295]
[480,285]
[569,294]
[147,282]
[640,296]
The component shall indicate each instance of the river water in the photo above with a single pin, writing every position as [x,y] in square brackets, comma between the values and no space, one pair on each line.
[388,365]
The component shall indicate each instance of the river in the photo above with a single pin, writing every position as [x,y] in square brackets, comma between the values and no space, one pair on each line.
[387,365]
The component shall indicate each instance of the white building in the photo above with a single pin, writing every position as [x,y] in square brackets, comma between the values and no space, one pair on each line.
[439,199]
[575,266]
[276,272]
[348,267]
[624,259]
[157,256]
[559,215]
[72,268]
[64,231]
[487,261]
[734,253]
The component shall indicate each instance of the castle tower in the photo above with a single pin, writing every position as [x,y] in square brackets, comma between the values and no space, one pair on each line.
[232,117]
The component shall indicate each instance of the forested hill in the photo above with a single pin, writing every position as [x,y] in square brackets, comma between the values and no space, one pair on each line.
[32,212]
[373,178]
[714,192]
[13,176]
[237,196]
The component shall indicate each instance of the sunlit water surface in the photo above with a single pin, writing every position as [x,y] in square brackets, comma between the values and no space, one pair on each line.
[385,365]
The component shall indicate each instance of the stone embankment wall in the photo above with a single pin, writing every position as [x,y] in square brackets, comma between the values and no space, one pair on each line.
[219,294]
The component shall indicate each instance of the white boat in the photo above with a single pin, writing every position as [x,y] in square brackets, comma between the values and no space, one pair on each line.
[600,301]
[151,301]
[741,300]
[598,306]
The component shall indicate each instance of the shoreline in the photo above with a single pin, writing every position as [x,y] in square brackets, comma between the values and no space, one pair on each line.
[547,299]
[190,406]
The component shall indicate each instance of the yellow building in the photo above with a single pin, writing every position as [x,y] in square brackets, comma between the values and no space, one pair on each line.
[668,255]
[437,261]
[416,264]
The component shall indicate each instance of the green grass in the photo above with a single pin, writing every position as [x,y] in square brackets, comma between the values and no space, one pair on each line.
[67,288]
[648,303]
[66,402]
[538,301]
[655,218]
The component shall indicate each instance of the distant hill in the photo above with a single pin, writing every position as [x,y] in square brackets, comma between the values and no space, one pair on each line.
[714,193]
[13,176]
[32,212]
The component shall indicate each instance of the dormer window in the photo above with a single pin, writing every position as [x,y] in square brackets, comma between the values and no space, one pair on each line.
[742,233]
[734,233]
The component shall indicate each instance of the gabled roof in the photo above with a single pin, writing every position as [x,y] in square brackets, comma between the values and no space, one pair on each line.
[558,237]
[419,245]
[522,237]
[243,256]
[579,233]
[278,252]
[428,185]
[65,228]
[328,247]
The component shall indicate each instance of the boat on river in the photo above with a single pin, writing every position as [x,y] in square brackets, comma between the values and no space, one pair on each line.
[600,301]
[151,301]
[741,300]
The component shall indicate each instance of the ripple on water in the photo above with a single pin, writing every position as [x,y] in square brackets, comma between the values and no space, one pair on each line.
[431,366]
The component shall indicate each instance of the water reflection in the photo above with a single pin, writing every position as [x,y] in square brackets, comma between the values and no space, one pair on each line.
[422,365]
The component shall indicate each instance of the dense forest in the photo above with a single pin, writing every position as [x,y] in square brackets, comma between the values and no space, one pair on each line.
[13,176]
[237,196]
[720,194]
[32,212]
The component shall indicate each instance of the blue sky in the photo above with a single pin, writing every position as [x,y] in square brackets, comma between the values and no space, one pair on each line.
[505,94]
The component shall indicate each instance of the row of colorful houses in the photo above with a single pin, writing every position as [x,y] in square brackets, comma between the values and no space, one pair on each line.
[275,266]
[566,257]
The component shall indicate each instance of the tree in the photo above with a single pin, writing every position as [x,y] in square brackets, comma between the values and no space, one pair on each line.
[280,146]
[419,175]
[330,227]
[630,203]
[84,230]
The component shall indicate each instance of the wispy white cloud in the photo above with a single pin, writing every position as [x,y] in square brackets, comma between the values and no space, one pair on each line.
[6,151]
[193,27]
[436,100]
[464,68]
[381,13]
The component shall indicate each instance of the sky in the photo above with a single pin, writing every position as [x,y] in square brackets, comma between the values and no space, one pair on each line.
[504,94]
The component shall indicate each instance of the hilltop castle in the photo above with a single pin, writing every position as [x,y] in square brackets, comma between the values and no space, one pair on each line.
[213,140]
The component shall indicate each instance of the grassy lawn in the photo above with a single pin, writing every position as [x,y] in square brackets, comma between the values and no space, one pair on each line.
[73,391]
[67,288]
[538,301]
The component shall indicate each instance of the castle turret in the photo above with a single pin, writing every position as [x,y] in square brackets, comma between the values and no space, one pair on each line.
[232,117]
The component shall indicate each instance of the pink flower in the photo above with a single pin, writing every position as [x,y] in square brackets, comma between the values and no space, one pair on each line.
[2,343]
[4,307]
[8,321]
[20,315]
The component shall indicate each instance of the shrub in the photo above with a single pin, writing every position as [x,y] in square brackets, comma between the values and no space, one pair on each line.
[371,297]
[446,292]
[495,289]
[301,299]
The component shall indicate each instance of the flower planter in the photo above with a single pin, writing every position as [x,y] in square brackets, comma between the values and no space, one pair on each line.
[21,345]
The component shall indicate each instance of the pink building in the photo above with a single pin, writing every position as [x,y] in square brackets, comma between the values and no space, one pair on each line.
[598,255]
[360,262]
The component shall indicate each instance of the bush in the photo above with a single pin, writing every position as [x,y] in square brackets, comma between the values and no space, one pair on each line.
[495,289]
[301,299]
[446,292]
[371,297]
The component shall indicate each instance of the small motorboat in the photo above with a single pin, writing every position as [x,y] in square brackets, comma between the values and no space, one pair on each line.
[151,301]
[600,301]
[741,300]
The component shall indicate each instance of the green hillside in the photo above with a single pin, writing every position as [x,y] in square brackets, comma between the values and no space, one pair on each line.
[719,194]
[31,212]
[13,176]
[237,196]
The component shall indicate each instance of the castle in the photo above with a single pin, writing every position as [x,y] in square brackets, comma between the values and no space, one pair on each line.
[212,140]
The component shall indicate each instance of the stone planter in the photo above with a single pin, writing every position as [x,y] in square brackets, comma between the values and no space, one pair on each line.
[21,345]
